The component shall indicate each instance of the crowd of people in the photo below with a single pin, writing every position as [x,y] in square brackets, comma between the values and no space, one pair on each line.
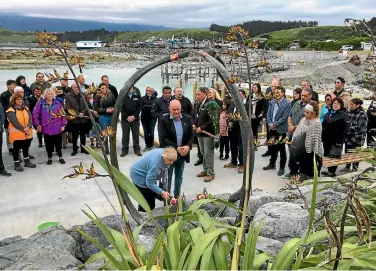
[306,127]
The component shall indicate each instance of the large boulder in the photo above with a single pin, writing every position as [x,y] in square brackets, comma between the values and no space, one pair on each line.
[147,242]
[260,198]
[346,177]
[212,208]
[327,196]
[268,245]
[50,249]
[85,248]
[282,220]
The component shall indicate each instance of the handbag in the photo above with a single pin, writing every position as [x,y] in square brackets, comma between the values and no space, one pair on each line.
[335,152]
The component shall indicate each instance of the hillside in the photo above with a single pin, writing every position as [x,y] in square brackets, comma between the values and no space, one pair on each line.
[319,33]
[20,22]
[7,35]
[178,33]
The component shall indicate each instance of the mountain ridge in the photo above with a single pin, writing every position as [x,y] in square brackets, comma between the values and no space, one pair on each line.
[19,22]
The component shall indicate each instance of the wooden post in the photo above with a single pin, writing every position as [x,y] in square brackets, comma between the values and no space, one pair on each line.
[180,83]
[223,91]
[199,70]
[194,90]
[204,71]
[167,74]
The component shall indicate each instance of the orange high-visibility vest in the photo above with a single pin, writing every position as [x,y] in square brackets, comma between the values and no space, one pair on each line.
[23,119]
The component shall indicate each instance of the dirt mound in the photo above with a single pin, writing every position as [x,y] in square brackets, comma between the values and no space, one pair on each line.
[325,73]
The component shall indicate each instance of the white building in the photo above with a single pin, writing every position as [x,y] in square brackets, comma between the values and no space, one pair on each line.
[366,46]
[90,44]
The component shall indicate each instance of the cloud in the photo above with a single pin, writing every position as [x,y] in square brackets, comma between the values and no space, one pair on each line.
[195,13]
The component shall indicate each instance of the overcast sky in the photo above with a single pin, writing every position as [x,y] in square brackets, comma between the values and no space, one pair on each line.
[195,13]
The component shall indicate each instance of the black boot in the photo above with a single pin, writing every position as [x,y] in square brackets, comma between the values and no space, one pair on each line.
[3,172]
[124,153]
[268,167]
[18,167]
[199,162]
[29,164]
[267,153]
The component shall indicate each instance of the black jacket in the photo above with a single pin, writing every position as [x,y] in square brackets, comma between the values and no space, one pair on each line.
[2,118]
[77,103]
[160,107]
[101,104]
[32,102]
[5,102]
[235,129]
[219,102]
[167,133]
[131,106]
[66,89]
[186,105]
[371,114]
[334,128]
[203,120]
[113,91]
[261,108]
[147,103]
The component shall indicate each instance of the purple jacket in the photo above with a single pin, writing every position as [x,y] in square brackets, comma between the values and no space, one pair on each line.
[51,125]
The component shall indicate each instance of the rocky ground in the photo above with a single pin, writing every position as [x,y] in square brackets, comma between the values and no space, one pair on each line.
[30,58]
[284,214]
[322,76]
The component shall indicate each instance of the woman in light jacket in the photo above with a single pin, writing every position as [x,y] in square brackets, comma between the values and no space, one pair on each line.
[307,143]
[49,120]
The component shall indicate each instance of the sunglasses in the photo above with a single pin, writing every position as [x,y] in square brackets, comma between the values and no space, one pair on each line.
[338,82]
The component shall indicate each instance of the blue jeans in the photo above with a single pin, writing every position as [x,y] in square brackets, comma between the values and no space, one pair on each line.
[104,121]
[149,126]
[179,169]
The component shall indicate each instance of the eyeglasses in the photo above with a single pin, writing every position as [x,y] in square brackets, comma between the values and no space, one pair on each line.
[328,99]
[338,82]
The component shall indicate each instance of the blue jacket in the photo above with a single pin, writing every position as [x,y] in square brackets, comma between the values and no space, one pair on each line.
[284,110]
[146,171]
[323,112]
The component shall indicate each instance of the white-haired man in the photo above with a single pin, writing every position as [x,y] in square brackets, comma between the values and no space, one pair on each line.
[151,168]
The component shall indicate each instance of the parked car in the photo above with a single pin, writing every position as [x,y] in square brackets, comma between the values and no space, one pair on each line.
[346,48]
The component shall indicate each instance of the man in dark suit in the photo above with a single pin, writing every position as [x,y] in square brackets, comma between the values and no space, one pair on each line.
[176,130]
[130,120]
[277,119]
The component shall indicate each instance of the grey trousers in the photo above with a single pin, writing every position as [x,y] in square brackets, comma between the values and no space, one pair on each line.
[127,127]
[207,150]
[9,145]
